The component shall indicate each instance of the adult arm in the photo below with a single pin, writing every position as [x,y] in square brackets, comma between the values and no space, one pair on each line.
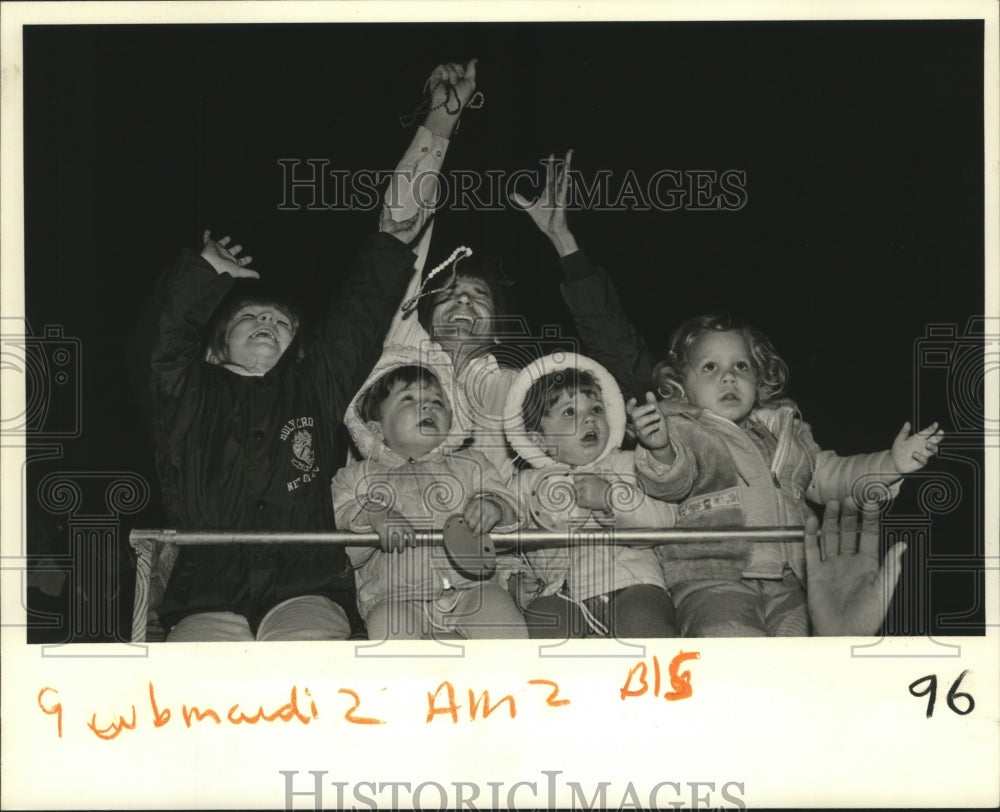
[593,302]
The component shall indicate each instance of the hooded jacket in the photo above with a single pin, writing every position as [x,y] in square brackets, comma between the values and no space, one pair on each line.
[238,452]
[426,490]
[756,474]
[545,492]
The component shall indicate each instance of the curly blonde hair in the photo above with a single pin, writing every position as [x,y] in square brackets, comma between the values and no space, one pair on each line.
[771,369]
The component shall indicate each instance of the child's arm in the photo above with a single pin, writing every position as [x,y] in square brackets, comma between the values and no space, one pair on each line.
[355,509]
[840,478]
[846,590]
[665,464]
[166,345]
[607,334]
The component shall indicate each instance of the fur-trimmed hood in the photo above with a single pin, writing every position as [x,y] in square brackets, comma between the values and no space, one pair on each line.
[393,356]
[517,435]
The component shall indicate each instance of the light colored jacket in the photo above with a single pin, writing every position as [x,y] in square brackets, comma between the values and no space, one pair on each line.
[545,492]
[426,491]
[756,474]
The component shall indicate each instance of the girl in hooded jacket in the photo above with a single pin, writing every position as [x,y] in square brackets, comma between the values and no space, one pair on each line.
[565,418]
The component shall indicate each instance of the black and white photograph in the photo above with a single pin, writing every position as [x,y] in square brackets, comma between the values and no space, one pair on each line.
[385,382]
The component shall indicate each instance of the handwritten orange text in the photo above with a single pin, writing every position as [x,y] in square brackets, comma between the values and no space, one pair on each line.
[680,682]
[438,704]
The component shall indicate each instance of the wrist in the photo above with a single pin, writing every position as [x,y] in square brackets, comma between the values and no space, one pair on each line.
[442,122]
[665,455]
[564,243]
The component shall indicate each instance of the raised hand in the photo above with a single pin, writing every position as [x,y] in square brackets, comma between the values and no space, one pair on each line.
[548,212]
[911,452]
[224,258]
[846,590]
[451,87]
[648,423]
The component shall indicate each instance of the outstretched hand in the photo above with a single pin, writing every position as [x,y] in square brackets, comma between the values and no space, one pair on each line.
[451,86]
[911,452]
[548,212]
[847,592]
[224,258]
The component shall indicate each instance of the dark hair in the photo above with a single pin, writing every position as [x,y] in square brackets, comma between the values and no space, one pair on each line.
[547,389]
[371,402]
[771,370]
[244,293]
[489,271]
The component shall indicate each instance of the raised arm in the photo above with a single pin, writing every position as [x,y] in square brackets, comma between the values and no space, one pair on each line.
[166,344]
[593,302]
[415,185]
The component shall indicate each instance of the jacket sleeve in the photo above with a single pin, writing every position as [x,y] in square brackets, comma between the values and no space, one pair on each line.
[350,336]
[671,483]
[632,506]
[166,345]
[347,508]
[605,330]
[844,478]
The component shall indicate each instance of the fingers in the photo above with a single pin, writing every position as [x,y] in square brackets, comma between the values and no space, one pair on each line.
[651,398]
[813,553]
[564,179]
[551,180]
[470,70]
[522,201]
[892,566]
[206,235]
[847,538]
[904,433]
[630,406]
[831,526]
[870,530]
[930,430]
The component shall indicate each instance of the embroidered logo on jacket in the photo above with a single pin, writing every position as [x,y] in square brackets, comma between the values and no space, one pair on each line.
[303,454]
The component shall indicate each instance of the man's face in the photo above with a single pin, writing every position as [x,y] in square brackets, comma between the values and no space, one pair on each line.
[256,337]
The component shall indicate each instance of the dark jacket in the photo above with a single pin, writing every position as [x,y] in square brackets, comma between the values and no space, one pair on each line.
[237,452]
[605,331]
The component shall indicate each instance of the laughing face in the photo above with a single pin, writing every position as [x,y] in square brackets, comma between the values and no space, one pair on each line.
[463,313]
[721,375]
[256,337]
[576,427]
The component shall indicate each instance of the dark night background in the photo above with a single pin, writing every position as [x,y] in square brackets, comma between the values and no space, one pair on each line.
[862,145]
